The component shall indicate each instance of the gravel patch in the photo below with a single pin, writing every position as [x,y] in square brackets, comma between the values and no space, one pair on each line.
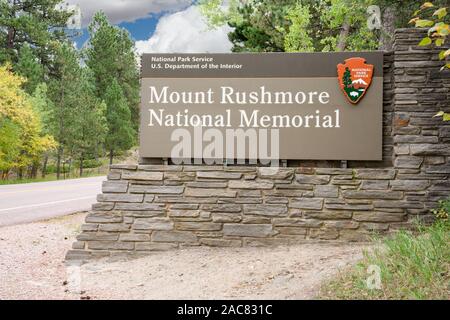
[32,267]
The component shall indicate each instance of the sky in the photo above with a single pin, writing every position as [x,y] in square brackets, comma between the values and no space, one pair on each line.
[158,26]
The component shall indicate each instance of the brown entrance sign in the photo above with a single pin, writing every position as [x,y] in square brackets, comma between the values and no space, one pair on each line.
[289,100]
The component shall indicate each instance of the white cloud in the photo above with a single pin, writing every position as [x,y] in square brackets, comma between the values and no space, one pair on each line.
[127,10]
[186,32]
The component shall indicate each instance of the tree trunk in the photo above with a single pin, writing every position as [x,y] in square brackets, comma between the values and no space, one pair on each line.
[387,29]
[69,170]
[58,163]
[81,166]
[111,156]
[342,42]
[44,166]
[34,170]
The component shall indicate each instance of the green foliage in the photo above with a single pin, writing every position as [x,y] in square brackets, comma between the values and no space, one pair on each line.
[217,14]
[292,26]
[347,78]
[413,266]
[37,22]
[29,67]
[439,29]
[63,92]
[261,27]
[339,14]
[9,144]
[121,134]
[88,125]
[298,37]
[110,56]
[443,211]
[22,138]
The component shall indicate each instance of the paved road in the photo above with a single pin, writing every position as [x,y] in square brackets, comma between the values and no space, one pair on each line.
[38,201]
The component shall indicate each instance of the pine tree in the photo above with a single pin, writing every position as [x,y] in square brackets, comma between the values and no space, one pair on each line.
[110,55]
[347,79]
[89,121]
[29,67]
[63,93]
[121,133]
[36,22]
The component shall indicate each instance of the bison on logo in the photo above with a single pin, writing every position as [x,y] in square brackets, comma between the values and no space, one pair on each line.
[355,77]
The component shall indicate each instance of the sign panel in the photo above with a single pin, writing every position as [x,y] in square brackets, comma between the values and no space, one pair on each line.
[302,106]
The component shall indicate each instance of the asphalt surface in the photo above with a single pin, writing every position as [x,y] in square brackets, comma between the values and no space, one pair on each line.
[30,202]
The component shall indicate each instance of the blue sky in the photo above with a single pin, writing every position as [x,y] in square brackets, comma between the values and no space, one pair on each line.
[141,29]
[164,26]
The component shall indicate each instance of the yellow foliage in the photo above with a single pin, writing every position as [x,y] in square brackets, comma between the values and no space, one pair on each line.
[16,106]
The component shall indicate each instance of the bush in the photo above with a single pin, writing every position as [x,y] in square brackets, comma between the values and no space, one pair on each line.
[412,265]
[89,164]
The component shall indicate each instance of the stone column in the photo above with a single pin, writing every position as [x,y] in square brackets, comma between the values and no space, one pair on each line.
[421,142]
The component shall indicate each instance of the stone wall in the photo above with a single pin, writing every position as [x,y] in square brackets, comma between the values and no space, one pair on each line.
[160,207]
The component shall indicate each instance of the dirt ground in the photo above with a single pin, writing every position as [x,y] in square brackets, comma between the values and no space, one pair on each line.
[32,267]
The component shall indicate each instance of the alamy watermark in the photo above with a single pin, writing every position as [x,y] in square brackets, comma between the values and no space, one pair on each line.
[373,282]
[233,146]
[374,20]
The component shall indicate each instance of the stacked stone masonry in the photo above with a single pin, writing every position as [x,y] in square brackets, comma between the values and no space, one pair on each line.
[146,208]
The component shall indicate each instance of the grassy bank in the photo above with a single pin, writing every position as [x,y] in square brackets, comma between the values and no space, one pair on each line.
[52,177]
[413,266]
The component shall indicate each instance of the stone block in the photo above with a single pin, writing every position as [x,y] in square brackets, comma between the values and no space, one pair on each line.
[120,197]
[198,226]
[374,185]
[221,242]
[184,213]
[266,209]
[430,150]
[153,224]
[219,175]
[408,162]
[244,184]
[326,191]
[275,173]
[374,216]
[114,227]
[102,206]
[372,194]
[375,174]
[248,230]
[142,175]
[115,186]
[208,193]
[104,217]
[226,217]
[110,245]
[133,237]
[173,236]
[409,185]
[139,206]
[150,246]
[156,189]
[296,222]
[312,179]
[206,184]
[307,203]
[328,215]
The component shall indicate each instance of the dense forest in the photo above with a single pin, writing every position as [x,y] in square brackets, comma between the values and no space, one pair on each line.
[60,105]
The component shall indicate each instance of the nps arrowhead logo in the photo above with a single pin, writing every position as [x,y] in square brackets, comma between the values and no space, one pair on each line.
[355,77]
